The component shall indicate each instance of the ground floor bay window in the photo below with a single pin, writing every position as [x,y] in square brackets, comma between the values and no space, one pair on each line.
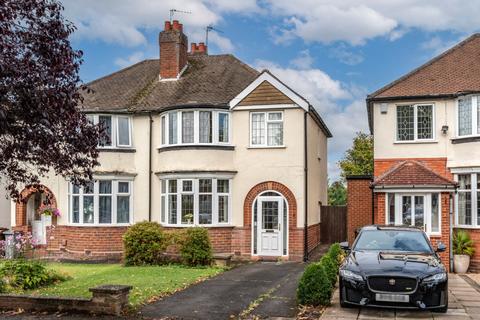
[467,200]
[414,209]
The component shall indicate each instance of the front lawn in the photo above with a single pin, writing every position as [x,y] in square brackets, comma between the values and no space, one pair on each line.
[148,282]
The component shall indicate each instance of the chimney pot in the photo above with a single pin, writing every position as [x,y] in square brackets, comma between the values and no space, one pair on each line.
[193,47]
[177,26]
[202,47]
[168,25]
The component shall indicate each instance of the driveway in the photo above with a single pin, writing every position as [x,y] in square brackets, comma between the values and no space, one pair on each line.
[464,303]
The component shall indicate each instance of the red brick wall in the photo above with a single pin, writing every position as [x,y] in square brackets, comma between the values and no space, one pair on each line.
[379,205]
[359,205]
[439,165]
[21,205]
[173,50]
[475,260]
[313,235]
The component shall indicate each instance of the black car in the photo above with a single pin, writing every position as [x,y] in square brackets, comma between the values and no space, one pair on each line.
[393,267]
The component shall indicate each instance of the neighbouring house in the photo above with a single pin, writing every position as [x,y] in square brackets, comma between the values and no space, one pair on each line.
[193,140]
[426,128]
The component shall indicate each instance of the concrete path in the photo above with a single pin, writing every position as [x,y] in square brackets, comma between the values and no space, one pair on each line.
[262,289]
[464,303]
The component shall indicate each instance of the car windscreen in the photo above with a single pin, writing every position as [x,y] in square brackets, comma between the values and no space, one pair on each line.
[392,240]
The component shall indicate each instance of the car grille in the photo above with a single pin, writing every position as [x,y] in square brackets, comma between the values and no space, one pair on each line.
[392,284]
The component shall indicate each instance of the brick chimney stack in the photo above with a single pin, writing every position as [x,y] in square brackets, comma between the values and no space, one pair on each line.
[201,48]
[173,50]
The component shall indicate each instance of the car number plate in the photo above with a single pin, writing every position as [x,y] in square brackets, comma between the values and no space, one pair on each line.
[391,297]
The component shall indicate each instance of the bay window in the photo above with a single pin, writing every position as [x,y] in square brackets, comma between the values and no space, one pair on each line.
[190,127]
[102,202]
[117,130]
[415,122]
[195,201]
[468,116]
[467,200]
[266,129]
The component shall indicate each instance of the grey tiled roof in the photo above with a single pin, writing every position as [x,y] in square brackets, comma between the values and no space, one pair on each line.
[208,80]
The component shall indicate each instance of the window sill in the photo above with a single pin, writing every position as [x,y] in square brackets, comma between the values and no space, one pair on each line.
[466,227]
[196,147]
[120,150]
[267,147]
[197,225]
[465,139]
[416,142]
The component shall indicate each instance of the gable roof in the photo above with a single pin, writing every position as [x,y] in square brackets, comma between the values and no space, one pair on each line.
[208,80]
[452,73]
[265,94]
[412,174]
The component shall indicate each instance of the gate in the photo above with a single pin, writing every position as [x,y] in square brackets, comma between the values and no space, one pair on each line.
[333,226]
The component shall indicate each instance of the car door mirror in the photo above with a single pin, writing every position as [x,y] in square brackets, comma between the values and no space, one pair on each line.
[441,247]
[344,246]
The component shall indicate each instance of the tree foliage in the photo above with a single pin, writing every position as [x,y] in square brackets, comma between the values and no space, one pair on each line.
[358,160]
[337,194]
[41,128]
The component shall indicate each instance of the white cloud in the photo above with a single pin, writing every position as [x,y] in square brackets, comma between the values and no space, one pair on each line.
[303,61]
[346,56]
[135,57]
[437,45]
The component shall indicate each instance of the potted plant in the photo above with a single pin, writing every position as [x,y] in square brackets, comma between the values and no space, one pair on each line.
[463,249]
[46,213]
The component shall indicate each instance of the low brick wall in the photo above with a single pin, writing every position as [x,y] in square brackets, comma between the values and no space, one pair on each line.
[107,299]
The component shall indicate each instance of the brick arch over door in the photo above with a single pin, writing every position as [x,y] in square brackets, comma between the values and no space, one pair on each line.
[21,205]
[292,210]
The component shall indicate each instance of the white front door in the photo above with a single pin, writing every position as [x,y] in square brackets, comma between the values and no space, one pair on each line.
[270,226]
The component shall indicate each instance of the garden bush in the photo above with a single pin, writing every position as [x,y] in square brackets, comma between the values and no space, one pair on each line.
[144,243]
[27,274]
[314,288]
[331,268]
[196,248]
[336,253]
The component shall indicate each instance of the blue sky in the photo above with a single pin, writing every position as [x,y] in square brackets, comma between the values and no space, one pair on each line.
[332,52]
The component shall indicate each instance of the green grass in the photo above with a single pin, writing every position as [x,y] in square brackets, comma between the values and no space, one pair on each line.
[148,281]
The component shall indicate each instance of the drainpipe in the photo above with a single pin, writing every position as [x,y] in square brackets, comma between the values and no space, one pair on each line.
[305,233]
[150,168]
[451,231]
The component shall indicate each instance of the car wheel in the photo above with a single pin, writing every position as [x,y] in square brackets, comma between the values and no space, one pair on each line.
[343,304]
[441,310]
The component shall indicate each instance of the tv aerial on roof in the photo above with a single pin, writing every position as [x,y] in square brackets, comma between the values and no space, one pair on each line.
[208,29]
[173,11]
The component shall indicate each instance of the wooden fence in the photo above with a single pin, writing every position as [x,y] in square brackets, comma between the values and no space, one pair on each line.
[333,226]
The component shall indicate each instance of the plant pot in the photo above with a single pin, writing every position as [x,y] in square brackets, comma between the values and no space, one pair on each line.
[461,263]
[47,220]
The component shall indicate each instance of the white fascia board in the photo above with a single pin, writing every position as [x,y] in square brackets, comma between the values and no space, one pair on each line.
[265,76]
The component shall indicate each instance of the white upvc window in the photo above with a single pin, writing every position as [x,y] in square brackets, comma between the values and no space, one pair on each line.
[467,208]
[468,116]
[195,201]
[266,129]
[101,202]
[415,123]
[195,127]
[422,210]
[118,130]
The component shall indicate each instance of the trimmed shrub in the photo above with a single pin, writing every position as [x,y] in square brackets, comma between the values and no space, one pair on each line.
[336,253]
[27,274]
[314,288]
[196,249]
[331,268]
[144,243]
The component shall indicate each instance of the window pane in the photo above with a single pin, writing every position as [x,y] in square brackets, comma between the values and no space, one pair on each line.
[465,116]
[88,189]
[222,209]
[75,189]
[425,122]
[405,123]
[187,127]
[76,209]
[187,208]
[123,131]
[205,209]
[464,208]
[172,127]
[255,228]
[275,116]
[172,209]
[164,187]
[87,209]
[478,114]
[258,128]
[187,186]
[407,210]
[123,209]
[419,211]
[205,126]
[205,185]
[391,208]
[222,186]
[106,122]
[464,182]
[105,209]
[123,187]
[105,186]
[435,213]
[163,209]
[285,227]
[269,215]
[222,127]
[172,186]
[163,130]
[275,133]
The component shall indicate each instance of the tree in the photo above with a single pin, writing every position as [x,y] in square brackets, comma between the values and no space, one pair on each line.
[358,160]
[41,128]
[337,194]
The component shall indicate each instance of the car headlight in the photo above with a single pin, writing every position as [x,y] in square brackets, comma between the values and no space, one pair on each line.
[347,274]
[439,277]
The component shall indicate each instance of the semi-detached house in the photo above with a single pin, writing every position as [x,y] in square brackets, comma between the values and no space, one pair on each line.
[193,140]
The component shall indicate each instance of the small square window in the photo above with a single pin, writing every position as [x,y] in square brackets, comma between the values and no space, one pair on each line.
[187,186]
[222,186]
[172,186]
[123,187]
[205,185]
[275,116]
[105,186]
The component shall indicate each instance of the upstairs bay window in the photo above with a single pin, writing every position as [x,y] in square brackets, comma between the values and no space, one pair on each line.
[467,200]
[266,129]
[117,130]
[415,122]
[195,127]
[468,116]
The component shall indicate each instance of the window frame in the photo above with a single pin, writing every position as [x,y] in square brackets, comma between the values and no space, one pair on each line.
[415,123]
[475,113]
[96,204]
[266,122]
[474,199]
[115,127]
[196,193]
[165,128]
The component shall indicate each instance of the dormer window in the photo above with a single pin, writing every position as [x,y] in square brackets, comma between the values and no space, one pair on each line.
[118,130]
[192,127]
[468,116]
